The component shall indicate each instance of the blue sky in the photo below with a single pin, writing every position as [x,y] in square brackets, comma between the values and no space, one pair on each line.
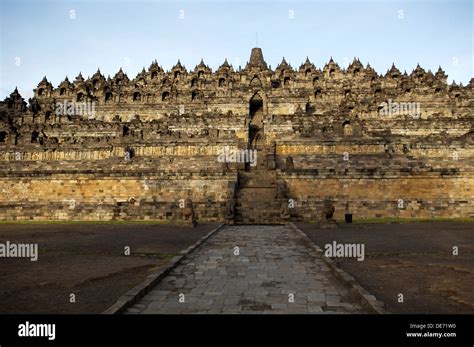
[39,37]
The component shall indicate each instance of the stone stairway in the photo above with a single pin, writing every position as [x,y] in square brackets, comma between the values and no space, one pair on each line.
[256,196]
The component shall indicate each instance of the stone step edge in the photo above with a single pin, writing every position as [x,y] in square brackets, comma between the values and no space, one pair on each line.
[369,301]
[137,292]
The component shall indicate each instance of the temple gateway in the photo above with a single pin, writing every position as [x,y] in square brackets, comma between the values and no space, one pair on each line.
[369,145]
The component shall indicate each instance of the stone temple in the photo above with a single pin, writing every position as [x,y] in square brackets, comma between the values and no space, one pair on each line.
[396,145]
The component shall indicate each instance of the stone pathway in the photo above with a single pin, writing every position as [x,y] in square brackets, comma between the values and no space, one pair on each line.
[274,265]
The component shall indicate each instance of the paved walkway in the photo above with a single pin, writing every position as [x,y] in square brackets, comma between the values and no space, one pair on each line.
[274,266]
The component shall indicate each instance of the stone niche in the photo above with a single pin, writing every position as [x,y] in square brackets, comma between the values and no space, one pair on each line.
[392,145]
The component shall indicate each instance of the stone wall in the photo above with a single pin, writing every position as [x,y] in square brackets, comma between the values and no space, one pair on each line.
[362,139]
[85,185]
[424,180]
[411,197]
[88,197]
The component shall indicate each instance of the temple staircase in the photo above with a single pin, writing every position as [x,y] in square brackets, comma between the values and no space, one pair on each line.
[257,194]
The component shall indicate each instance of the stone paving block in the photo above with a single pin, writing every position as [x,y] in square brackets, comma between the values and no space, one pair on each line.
[315,309]
[279,306]
[276,263]
[316,297]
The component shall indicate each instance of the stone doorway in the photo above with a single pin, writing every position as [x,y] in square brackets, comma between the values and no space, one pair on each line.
[256,134]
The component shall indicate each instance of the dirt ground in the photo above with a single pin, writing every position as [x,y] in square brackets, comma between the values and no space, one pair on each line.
[414,259]
[87,260]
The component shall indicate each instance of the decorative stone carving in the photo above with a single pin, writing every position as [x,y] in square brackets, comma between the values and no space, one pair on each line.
[188,213]
[177,138]
[327,215]
[289,163]
[284,211]
[328,210]
[230,211]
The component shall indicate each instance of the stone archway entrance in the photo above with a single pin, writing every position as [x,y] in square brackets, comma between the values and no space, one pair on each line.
[256,121]
[258,198]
